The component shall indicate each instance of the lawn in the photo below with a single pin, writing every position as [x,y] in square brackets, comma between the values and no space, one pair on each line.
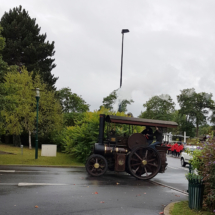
[182,208]
[15,156]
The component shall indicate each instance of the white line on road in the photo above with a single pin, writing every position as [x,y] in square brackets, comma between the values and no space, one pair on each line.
[7,170]
[20,171]
[39,184]
[8,184]
[31,171]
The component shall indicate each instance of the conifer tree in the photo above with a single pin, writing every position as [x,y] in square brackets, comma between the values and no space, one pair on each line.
[25,46]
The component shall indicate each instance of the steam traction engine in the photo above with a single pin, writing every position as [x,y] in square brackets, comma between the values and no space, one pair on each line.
[127,153]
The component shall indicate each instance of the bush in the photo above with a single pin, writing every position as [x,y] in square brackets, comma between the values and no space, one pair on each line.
[79,140]
[204,161]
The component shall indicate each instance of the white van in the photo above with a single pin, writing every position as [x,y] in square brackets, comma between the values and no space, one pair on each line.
[185,157]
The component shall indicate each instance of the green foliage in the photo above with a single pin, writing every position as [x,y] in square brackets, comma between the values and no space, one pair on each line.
[192,177]
[183,124]
[205,129]
[50,111]
[159,107]
[182,208]
[196,161]
[195,106]
[28,157]
[57,137]
[204,161]
[3,70]
[20,111]
[71,119]
[71,102]
[26,46]
[110,100]
[80,139]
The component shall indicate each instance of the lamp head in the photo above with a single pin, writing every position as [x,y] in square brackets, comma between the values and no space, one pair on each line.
[38,92]
[125,31]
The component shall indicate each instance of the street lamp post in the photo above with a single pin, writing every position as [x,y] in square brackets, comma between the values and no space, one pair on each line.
[123,31]
[36,142]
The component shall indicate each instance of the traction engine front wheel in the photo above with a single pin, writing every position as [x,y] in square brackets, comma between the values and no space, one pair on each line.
[96,165]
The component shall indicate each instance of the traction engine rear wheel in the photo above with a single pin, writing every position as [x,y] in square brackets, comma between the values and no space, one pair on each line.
[96,165]
[144,163]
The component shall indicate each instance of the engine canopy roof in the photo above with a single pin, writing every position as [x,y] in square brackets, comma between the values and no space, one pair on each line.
[140,121]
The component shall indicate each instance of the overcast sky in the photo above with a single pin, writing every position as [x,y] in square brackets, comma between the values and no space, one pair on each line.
[170,46]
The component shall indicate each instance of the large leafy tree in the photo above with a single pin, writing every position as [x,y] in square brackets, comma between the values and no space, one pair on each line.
[73,106]
[110,100]
[71,102]
[3,65]
[196,106]
[159,107]
[183,124]
[4,68]
[26,46]
[20,112]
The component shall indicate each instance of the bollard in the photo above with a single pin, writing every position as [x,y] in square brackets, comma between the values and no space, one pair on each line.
[21,149]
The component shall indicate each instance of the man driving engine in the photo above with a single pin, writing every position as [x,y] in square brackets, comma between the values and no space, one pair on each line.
[148,134]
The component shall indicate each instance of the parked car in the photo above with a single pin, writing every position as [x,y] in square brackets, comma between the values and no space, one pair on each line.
[186,157]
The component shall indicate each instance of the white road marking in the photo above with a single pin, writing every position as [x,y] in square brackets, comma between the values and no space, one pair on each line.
[39,184]
[31,171]
[8,184]
[7,170]
[20,171]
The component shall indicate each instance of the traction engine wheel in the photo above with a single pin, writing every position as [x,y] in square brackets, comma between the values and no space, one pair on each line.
[96,165]
[144,163]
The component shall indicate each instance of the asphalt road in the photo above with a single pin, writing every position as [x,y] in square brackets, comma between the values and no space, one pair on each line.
[45,190]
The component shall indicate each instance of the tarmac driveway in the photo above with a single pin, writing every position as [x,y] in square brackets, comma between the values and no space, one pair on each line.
[43,190]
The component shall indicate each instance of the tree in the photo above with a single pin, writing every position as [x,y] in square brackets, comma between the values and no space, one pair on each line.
[3,65]
[195,106]
[26,46]
[50,110]
[183,124]
[109,101]
[158,107]
[71,102]
[20,112]
[4,68]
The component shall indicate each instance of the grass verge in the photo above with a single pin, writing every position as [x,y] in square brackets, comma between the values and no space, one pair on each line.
[182,208]
[16,157]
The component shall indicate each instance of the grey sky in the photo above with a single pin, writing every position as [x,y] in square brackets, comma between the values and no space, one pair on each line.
[170,47]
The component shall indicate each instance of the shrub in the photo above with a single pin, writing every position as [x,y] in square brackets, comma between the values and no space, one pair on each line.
[79,140]
[204,161]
